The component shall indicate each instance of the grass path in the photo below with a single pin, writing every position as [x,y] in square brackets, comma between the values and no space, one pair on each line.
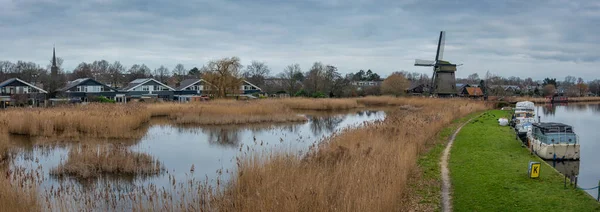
[489,173]
[446,185]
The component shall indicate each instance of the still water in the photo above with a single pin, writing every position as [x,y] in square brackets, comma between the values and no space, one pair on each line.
[212,150]
[585,119]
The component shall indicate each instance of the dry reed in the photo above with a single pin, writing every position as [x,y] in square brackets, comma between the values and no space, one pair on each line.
[226,112]
[94,120]
[364,169]
[86,162]
[319,104]
[18,191]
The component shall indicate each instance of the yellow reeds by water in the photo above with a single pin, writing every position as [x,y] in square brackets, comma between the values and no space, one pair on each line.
[87,161]
[364,169]
[358,169]
[94,120]
[319,104]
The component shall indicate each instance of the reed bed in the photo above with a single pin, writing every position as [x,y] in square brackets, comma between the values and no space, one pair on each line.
[94,120]
[226,112]
[364,169]
[86,162]
[318,104]
[18,191]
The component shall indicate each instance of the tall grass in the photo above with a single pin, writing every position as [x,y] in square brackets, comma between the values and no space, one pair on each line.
[95,120]
[86,162]
[17,196]
[364,169]
[226,112]
[318,104]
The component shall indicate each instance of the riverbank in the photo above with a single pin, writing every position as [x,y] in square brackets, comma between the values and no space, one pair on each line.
[426,182]
[544,100]
[488,169]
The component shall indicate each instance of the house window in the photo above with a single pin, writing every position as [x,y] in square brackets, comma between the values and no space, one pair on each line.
[145,88]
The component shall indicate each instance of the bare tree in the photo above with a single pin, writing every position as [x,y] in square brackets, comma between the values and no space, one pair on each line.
[224,76]
[473,78]
[292,75]
[100,70]
[161,73]
[549,90]
[179,73]
[83,70]
[314,78]
[116,71]
[257,72]
[396,84]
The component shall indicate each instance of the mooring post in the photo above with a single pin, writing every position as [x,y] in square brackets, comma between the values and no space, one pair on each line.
[598,198]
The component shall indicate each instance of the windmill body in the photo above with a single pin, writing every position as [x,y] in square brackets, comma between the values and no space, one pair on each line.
[443,81]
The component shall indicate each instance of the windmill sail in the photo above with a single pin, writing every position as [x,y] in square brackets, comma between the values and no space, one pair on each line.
[419,62]
[440,49]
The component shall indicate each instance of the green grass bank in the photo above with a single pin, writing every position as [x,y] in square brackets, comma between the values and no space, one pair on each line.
[427,184]
[488,169]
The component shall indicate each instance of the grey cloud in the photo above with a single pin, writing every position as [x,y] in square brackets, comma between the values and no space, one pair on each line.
[385,36]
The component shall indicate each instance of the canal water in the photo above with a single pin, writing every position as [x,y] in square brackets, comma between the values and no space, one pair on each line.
[211,150]
[585,119]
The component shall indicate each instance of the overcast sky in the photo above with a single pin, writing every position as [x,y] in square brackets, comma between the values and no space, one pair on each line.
[510,38]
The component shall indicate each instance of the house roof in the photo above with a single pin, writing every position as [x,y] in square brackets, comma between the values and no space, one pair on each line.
[79,81]
[474,91]
[414,85]
[8,81]
[252,85]
[138,82]
[187,83]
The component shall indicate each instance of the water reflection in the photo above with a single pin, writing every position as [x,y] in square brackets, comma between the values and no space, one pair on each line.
[584,119]
[568,168]
[178,147]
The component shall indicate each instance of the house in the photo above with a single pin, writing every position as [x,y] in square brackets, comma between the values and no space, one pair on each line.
[249,88]
[417,88]
[85,89]
[190,90]
[511,88]
[192,86]
[147,88]
[15,91]
[472,92]
[362,84]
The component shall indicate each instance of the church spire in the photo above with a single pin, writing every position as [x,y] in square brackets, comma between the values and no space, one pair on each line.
[53,57]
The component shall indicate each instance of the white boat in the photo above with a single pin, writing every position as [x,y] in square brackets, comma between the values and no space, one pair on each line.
[553,141]
[523,117]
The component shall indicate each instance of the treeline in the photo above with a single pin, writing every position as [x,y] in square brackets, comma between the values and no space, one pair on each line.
[570,86]
[226,74]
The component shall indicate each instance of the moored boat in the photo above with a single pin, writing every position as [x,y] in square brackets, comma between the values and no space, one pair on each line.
[523,117]
[553,141]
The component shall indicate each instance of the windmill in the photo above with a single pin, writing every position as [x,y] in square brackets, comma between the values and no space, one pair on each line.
[443,80]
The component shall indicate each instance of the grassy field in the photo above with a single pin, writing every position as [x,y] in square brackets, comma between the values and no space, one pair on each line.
[426,182]
[488,169]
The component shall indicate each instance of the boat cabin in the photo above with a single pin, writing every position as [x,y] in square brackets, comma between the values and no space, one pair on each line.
[554,133]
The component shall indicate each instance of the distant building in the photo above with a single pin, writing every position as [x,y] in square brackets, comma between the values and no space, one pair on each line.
[17,92]
[148,88]
[472,92]
[249,88]
[417,88]
[366,84]
[84,89]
